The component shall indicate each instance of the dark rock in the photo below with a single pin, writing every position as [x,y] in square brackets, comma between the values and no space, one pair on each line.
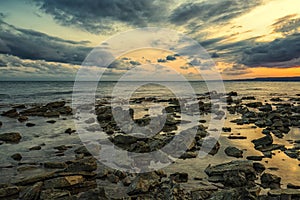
[226,129]
[235,179]
[51,121]
[232,93]
[30,124]
[66,110]
[61,182]
[292,153]
[94,194]
[55,165]
[51,114]
[16,157]
[113,178]
[265,108]
[255,158]
[237,137]
[248,98]
[22,118]
[270,181]
[61,148]
[82,150]
[124,139]
[234,152]
[86,164]
[254,104]
[21,106]
[10,137]
[1,124]
[35,178]
[11,113]
[35,148]
[70,131]
[8,191]
[285,193]
[259,167]
[277,99]
[126,181]
[32,192]
[179,177]
[292,186]
[56,104]
[264,141]
[55,194]
[142,183]
[266,131]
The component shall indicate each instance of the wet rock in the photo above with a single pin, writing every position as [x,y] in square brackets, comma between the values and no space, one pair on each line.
[232,93]
[292,186]
[266,131]
[94,194]
[226,129]
[285,193]
[16,157]
[277,99]
[8,191]
[61,182]
[234,152]
[66,110]
[35,111]
[35,148]
[86,164]
[10,137]
[264,141]
[259,167]
[235,179]
[51,114]
[82,150]
[124,139]
[32,192]
[22,119]
[56,104]
[270,181]
[179,177]
[51,121]
[30,124]
[248,98]
[55,194]
[255,158]
[11,113]
[292,153]
[61,148]
[265,108]
[1,124]
[142,183]
[55,165]
[20,106]
[254,104]
[237,137]
[35,178]
[70,131]
[245,168]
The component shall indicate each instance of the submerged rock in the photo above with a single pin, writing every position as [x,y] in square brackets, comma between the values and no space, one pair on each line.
[10,137]
[16,157]
[22,119]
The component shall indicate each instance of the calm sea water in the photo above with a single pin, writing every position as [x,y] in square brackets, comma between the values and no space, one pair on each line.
[43,92]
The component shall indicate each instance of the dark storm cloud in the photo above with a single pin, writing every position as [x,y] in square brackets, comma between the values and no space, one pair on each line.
[211,11]
[236,69]
[277,53]
[29,44]
[98,16]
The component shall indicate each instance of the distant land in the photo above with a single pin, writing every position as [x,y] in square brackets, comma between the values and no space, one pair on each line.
[294,78]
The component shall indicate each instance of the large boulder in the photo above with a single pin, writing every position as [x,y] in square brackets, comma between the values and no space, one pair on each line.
[10,137]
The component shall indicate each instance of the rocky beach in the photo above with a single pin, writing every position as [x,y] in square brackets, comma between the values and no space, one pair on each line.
[257,155]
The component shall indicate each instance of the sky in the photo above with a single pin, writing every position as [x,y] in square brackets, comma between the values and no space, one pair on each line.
[50,39]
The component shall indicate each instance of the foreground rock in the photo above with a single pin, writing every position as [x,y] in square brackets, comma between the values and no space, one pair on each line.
[11,137]
[234,152]
[270,181]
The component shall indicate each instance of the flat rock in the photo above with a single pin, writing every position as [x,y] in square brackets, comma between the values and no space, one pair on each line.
[32,192]
[179,177]
[264,141]
[55,165]
[294,193]
[8,191]
[11,113]
[61,182]
[55,194]
[234,152]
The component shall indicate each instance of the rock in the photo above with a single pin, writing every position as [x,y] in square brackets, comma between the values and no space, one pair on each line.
[30,124]
[94,194]
[52,194]
[226,129]
[20,106]
[218,172]
[254,104]
[8,191]
[142,183]
[255,158]
[82,150]
[285,193]
[292,186]
[277,99]
[90,121]
[11,113]
[51,121]
[270,181]
[61,182]
[1,124]
[51,114]
[235,179]
[32,192]
[22,119]
[35,148]
[35,178]
[266,131]
[234,152]
[113,178]
[124,139]
[179,177]
[236,137]
[55,165]
[248,98]
[292,153]
[86,164]
[11,137]
[232,93]
[264,141]
[259,167]
[265,108]
[70,131]
[16,157]
[56,104]
[126,181]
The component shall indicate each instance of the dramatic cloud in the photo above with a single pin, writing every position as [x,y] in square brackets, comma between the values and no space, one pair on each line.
[29,44]
[104,15]
[274,54]
[236,70]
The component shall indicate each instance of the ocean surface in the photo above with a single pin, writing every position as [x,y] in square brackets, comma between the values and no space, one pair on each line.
[51,135]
